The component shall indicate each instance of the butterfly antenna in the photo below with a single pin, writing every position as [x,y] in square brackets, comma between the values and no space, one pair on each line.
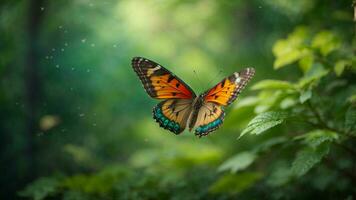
[200,82]
[216,76]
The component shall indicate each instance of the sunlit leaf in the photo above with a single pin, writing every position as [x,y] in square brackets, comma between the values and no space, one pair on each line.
[307,158]
[272,85]
[235,183]
[306,62]
[352,98]
[288,57]
[265,121]
[288,103]
[41,188]
[291,49]
[247,101]
[305,96]
[238,162]
[326,42]
[340,66]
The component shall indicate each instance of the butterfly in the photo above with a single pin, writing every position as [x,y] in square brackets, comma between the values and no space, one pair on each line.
[181,107]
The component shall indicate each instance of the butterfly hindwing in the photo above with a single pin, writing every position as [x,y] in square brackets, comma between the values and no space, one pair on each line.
[172,114]
[160,83]
[208,118]
[225,92]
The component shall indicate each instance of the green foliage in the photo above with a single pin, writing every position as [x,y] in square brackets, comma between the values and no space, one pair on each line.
[235,183]
[317,137]
[292,49]
[238,162]
[307,158]
[264,121]
[41,188]
[325,42]
[350,119]
[273,85]
[305,96]
[100,183]
[340,66]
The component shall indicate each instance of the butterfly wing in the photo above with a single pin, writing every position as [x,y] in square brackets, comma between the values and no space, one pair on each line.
[225,92]
[208,118]
[160,83]
[210,114]
[172,114]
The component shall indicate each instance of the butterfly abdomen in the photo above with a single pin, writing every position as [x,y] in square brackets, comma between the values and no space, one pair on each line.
[165,122]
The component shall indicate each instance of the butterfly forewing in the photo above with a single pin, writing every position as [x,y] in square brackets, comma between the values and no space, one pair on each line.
[226,91]
[160,83]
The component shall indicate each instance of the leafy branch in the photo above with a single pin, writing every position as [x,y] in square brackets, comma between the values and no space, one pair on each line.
[323,124]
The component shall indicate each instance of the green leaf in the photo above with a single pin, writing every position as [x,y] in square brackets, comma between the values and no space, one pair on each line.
[41,188]
[288,103]
[313,75]
[272,85]
[271,99]
[247,101]
[288,57]
[340,66]
[280,176]
[291,49]
[238,162]
[305,96]
[317,137]
[235,183]
[307,158]
[264,121]
[326,42]
[352,98]
[306,62]
[350,119]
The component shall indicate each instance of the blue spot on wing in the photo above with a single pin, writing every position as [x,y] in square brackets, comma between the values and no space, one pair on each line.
[205,129]
[164,121]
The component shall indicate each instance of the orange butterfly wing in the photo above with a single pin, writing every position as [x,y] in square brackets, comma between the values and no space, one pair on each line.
[225,92]
[160,83]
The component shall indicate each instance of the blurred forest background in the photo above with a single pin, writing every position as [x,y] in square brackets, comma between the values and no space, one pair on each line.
[76,122]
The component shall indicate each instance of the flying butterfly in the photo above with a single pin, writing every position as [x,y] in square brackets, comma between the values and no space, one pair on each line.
[181,107]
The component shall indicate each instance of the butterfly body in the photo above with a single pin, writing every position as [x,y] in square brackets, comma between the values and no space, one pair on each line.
[181,107]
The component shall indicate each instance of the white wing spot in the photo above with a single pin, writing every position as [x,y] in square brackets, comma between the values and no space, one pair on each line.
[156,68]
[238,80]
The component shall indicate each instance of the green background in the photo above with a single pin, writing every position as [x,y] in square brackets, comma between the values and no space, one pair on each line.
[76,122]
